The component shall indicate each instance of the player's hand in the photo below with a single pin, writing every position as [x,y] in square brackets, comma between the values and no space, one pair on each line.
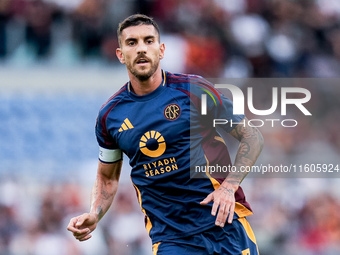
[224,201]
[82,226]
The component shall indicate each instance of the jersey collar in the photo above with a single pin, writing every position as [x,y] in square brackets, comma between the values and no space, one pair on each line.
[150,95]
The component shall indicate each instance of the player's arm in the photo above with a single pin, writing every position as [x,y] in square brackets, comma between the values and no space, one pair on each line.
[102,195]
[250,147]
[105,188]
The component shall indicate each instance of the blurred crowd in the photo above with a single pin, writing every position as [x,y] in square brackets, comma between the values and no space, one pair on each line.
[34,226]
[212,38]
[235,38]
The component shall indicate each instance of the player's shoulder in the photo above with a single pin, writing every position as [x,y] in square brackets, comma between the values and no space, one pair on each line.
[114,99]
[185,78]
[190,82]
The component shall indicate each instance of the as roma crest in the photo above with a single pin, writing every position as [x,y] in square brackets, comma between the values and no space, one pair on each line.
[172,112]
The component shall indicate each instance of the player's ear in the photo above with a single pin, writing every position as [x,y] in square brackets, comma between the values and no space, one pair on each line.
[162,50]
[120,55]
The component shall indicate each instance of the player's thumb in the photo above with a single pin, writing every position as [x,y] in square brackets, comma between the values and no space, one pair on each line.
[81,220]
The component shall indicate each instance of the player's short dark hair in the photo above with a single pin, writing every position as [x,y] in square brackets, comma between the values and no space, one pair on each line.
[136,20]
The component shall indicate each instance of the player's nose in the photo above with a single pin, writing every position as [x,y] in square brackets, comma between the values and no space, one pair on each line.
[142,48]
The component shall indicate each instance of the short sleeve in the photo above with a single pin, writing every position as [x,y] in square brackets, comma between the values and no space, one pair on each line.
[224,111]
[108,149]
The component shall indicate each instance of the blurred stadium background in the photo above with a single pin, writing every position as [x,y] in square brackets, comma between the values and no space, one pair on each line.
[58,66]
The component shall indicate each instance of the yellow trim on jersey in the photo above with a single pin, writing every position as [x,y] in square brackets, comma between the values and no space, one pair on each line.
[218,138]
[241,210]
[214,182]
[246,252]
[155,248]
[148,222]
[248,229]
[250,234]
[163,78]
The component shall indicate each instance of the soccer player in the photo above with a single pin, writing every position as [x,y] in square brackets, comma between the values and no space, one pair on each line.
[156,119]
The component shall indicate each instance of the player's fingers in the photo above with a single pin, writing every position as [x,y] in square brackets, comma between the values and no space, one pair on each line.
[215,207]
[222,215]
[87,237]
[81,219]
[81,234]
[231,213]
[208,199]
[71,225]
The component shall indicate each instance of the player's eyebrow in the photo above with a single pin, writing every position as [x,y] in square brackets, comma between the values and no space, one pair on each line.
[149,37]
[134,39]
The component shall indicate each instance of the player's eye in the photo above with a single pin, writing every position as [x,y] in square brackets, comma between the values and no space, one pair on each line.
[149,41]
[131,43]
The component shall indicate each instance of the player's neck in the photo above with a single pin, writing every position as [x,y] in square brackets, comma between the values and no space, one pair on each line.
[141,88]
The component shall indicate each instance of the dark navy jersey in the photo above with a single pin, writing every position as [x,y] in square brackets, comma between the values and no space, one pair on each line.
[163,135]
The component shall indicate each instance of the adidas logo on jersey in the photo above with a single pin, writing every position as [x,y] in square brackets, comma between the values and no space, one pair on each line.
[126,125]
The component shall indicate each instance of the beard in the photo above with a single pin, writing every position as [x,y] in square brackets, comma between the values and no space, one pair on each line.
[145,74]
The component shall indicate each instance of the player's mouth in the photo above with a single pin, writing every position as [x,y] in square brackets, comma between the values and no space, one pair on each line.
[142,61]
